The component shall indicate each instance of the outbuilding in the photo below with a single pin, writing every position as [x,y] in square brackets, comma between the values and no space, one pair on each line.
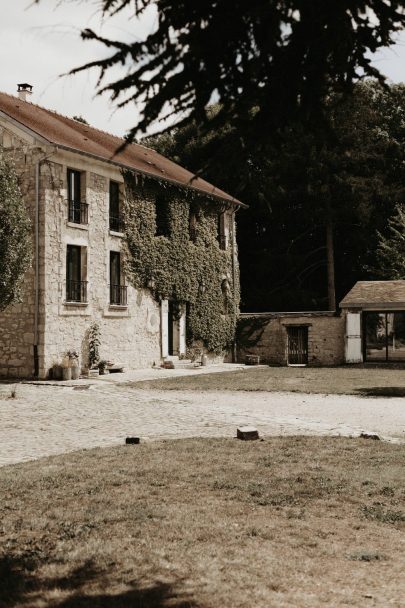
[375,322]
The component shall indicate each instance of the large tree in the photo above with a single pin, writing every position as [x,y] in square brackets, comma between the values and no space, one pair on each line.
[15,235]
[281,58]
[304,189]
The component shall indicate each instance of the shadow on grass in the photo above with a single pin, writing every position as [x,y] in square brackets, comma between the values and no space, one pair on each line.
[382,391]
[21,587]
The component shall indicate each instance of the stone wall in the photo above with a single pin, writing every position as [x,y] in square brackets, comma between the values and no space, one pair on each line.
[130,335]
[266,335]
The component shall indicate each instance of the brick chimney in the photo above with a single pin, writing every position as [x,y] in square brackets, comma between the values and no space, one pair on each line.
[24,90]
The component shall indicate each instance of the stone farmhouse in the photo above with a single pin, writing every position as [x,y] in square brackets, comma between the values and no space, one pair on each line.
[73,179]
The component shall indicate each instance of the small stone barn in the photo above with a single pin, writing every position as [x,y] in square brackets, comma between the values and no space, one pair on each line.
[292,338]
[375,322]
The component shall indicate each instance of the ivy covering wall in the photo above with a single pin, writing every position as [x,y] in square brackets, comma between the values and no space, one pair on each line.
[195,274]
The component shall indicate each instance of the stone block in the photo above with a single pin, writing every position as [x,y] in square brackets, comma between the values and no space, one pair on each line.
[247,433]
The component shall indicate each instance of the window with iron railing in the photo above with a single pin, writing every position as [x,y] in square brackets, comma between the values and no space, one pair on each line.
[115,215]
[192,226]
[221,235]
[118,292]
[78,212]
[76,287]
[76,291]
[118,295]
[77,209]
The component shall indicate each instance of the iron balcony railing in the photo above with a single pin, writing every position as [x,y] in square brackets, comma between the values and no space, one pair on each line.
[78,212]
[76,291]
[118,295]
[222,241]
[116,223]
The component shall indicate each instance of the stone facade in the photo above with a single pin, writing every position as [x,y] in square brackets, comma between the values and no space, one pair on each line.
[130,335]
[34,337]
[266,335]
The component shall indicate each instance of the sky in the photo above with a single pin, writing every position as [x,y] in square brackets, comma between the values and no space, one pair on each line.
[40,43]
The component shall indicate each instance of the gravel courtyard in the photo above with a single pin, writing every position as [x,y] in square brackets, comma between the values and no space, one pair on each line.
[45,419]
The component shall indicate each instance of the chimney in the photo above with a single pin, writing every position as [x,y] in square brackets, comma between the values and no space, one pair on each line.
[24,90]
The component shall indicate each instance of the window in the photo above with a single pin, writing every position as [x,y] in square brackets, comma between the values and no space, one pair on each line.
[118,292]
[384,336]
[162,217]
[222,231]
[116,223]
[192,226]
[76,288]
[77,209]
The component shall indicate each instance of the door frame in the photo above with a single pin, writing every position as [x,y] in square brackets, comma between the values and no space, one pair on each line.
[304,329]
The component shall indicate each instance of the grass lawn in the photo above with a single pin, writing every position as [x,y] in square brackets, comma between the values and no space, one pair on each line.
[302,522]
[332,380]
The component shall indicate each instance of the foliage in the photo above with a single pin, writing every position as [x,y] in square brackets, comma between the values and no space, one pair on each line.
[391,248]
[281,58]
[15,235]
[356,167]
[192,273]
[94,344]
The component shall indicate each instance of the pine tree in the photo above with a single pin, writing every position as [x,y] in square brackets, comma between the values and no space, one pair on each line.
[391,248]
[15,235]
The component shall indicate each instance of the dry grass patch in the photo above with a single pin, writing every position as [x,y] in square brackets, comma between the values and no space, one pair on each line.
[331,380]
[206,523]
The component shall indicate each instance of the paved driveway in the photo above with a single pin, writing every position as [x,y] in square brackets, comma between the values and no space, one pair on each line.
[51,419]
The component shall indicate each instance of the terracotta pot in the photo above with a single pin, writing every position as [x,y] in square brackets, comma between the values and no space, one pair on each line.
[57,372]
[75,372]
[67,373]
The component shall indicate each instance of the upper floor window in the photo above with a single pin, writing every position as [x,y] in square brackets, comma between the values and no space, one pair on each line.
[76,285]
[222,233]
[78,210]
[116,222]
[192,226]
[118,291]
[162,216]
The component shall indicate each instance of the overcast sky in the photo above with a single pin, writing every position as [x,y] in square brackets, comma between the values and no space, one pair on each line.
[39,43]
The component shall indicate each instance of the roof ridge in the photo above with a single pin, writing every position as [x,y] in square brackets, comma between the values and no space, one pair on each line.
[122,139]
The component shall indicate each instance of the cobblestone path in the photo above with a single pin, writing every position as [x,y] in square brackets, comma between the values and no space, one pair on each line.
[48,419]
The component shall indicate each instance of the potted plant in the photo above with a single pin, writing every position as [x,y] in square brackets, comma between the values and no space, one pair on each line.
[94,345]
[102,366]
[73,364]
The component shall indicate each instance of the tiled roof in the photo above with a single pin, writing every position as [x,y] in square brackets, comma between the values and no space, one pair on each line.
[72,135]
[375,293]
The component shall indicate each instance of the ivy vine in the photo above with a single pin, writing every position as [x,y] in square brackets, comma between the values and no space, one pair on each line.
[196,274]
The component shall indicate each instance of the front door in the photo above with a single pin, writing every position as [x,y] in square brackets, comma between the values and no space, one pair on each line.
[297,345]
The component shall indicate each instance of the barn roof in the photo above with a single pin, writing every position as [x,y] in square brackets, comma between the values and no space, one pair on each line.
[70,134]
[376,294]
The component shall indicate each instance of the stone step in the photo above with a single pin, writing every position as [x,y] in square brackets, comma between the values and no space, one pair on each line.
[176,363]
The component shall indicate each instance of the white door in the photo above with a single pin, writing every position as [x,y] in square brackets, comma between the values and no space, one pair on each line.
[164,327]
[182,333]
[354,352]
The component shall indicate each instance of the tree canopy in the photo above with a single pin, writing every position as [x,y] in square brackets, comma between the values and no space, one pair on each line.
[266,62]
[355,177]
[15,235]
[390,253]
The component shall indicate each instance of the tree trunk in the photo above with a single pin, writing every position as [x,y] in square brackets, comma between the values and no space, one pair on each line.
[330,259]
